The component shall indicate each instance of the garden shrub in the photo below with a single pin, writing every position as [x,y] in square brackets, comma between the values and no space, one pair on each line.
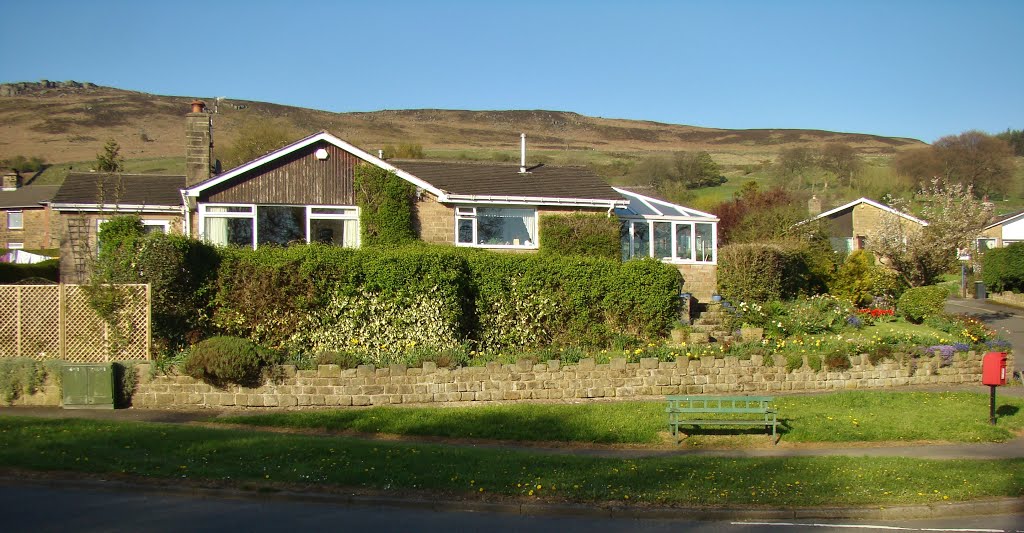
[753,272]
[1002,269]
[226,360]
[595,235]
[838,360]
[861,281]
[919,303]
[817,314]
[19,376]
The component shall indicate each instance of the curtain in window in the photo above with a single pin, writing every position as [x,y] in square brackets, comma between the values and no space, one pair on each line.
[216,230]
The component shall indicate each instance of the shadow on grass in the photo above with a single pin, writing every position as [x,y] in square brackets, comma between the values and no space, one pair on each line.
[1007,410]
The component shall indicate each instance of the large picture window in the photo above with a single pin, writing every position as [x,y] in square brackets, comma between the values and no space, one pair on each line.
[668,240]
[253,225]
[496,227]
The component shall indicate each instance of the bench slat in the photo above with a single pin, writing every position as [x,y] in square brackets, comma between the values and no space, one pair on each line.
[681,406]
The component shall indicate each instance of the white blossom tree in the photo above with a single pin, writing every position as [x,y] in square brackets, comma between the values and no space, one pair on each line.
[919,255]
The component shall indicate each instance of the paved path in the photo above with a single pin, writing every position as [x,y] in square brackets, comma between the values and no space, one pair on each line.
[1008,321]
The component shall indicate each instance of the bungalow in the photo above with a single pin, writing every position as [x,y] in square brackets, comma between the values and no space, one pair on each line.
[852,224]
[305,192]
[25,220]
[1003,231]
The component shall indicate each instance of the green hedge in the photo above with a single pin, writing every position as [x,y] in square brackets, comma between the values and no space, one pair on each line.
[1002,269]
[587,234]
[752,272]
[383,302]
[12,273]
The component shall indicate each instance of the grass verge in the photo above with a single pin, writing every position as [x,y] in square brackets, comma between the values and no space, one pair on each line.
[246,458]
[837,417]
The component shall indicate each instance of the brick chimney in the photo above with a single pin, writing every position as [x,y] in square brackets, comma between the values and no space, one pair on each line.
[12,180]
[198,144]
[814,206]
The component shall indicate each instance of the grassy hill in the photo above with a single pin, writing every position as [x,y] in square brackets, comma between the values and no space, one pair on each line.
[69,122]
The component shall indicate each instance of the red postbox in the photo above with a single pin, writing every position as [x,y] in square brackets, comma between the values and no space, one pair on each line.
[993,369]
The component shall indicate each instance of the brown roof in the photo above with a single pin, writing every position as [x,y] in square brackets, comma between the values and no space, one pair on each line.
[28,197]
[506,180]
[124,189]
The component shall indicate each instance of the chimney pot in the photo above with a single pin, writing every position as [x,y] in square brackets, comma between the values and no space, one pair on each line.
[198,106]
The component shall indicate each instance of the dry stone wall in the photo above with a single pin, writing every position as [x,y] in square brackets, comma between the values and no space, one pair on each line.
[330,385]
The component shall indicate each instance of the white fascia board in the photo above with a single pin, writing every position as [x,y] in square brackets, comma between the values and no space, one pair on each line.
[118,208]
[871,203]
[195,190]
[534,200]
[672,218]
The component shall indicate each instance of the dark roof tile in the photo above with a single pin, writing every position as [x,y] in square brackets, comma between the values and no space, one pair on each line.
[27,197]
[125,189]
[506,180]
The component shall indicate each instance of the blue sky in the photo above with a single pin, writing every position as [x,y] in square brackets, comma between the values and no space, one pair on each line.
[919,69]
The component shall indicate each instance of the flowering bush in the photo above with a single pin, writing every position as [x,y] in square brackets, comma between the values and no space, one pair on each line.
[817,314]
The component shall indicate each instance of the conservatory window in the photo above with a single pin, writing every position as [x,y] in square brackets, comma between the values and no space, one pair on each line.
[668,240]
[496,227]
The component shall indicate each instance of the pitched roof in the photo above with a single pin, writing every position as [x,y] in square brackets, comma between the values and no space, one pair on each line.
[1003,219]
[650,207]
[28,197]
[505,183]
[872,203]
[128,191]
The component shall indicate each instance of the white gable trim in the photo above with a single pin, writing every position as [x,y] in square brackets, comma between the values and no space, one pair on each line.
[873,204]
[195,190]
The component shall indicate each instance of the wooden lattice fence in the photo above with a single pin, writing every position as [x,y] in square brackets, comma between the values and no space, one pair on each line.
[56,322]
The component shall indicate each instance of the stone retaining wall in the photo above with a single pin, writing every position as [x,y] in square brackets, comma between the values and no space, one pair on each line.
[1007,298]
[329,385]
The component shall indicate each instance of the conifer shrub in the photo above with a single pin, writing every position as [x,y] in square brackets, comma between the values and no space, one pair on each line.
[224,360]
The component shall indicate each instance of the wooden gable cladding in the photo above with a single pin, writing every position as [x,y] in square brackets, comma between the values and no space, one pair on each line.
[298,178]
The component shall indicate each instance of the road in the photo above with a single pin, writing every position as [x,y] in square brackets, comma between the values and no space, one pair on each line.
[1008,321]
[39,508]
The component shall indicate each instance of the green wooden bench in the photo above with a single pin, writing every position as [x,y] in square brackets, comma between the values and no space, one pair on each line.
[686,411]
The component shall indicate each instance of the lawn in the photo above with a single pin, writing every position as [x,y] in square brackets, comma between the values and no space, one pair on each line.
[267,461]
[55,174]
[838,417]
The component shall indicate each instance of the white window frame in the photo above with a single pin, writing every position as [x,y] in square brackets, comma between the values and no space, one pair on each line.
[205,213]
[15,246]
[19,212]
[470,213]
[692,260]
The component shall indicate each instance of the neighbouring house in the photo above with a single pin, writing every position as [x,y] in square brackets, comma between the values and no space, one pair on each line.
[304,192]
[26,221]
[87,199]
[852,225]
[1002,231]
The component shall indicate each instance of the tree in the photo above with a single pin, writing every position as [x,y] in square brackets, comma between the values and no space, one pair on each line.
[920,255]
[1015,138]
[257,138]
[697,170]
[841,160]
[109,160]
[977,159]
[756,216]
[972,158]
[793,161]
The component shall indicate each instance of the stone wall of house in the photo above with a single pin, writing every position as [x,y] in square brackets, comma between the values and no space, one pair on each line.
[435,222]
[700,280]
[868,219]
[329,385]
[36,232]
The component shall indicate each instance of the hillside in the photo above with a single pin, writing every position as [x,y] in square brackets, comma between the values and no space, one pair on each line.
[69,121]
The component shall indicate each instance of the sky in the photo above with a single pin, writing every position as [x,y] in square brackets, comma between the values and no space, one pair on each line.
[918,69]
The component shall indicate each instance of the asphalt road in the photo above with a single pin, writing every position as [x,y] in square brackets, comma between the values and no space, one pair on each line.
[60,509]
[1008,321]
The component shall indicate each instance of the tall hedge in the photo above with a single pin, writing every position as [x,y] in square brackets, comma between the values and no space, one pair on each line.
[385,206]
[1002,269]
[586,234]
[752,272]
[383,301]
[13,273]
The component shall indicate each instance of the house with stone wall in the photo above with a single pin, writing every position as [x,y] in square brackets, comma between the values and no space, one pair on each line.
[26,221]
[304,192]
[852,225]
[1002,231]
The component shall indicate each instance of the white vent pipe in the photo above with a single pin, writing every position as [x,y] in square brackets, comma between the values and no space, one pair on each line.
[522,158]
